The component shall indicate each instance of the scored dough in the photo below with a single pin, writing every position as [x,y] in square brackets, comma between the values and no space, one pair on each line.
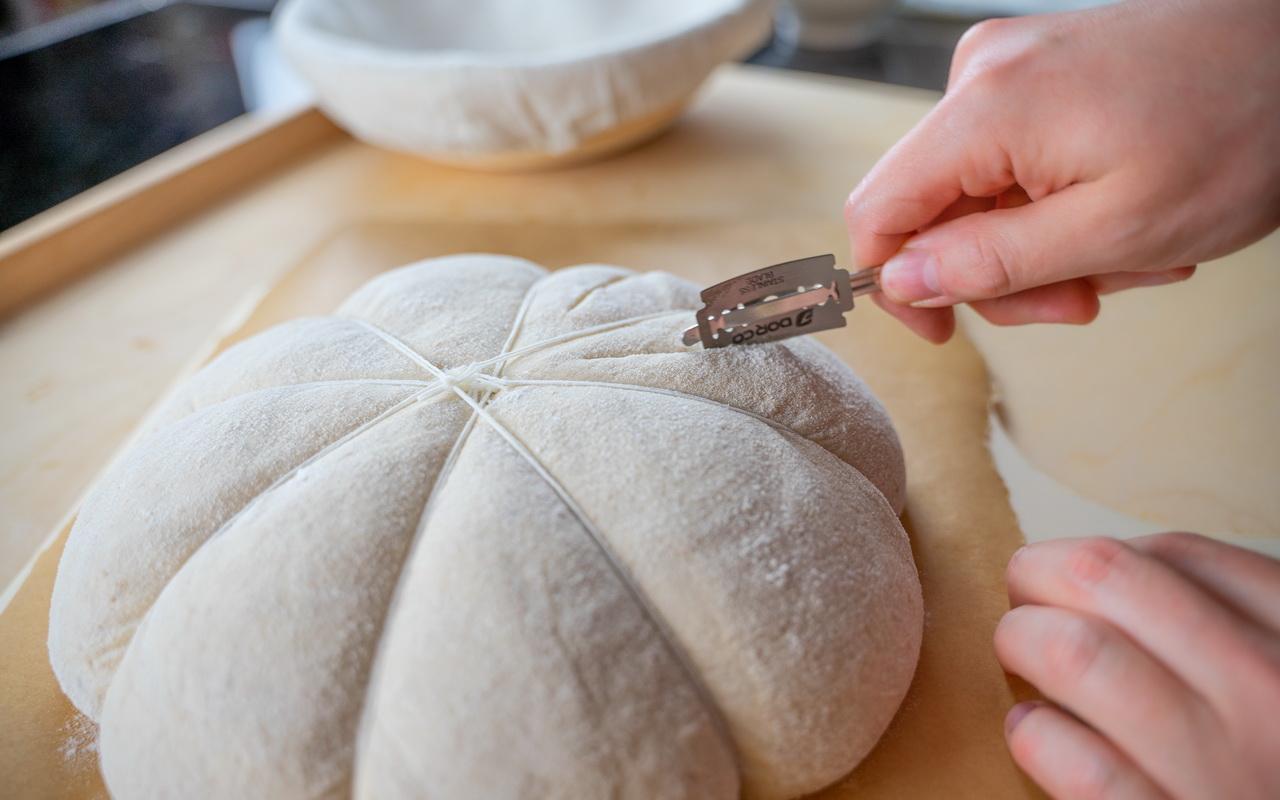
[639,570]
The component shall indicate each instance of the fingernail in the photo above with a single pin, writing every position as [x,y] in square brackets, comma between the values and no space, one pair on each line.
[911,276]
[1017,714]
[941,301]
[1158,279]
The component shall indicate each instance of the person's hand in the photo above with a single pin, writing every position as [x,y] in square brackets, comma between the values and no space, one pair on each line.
[1078,154]
[1161,657]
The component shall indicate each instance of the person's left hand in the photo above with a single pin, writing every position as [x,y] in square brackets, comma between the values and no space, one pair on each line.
[1161,657]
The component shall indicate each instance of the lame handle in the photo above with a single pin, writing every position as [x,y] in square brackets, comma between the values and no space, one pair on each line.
[864,281]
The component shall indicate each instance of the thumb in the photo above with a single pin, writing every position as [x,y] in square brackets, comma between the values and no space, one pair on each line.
[1068,234]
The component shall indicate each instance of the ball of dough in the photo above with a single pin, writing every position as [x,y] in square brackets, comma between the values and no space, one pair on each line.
[370,554]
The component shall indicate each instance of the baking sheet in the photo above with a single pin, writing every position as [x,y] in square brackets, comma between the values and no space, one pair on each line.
[946,740]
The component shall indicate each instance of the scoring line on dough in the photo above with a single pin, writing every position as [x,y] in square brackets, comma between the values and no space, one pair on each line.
[666,634]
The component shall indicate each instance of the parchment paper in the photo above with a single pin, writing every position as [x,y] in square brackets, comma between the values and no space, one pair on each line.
[946,741]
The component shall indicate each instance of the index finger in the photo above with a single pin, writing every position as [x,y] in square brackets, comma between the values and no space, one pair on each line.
[945,156]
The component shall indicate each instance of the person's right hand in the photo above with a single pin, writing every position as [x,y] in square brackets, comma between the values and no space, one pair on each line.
[1078,154]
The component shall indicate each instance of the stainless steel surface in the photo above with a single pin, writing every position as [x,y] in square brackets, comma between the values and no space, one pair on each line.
[864,281]
[794,298]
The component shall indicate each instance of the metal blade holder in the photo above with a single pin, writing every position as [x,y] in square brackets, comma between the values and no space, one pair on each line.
[794,298]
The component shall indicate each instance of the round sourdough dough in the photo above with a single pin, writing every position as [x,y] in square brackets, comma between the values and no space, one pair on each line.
[701,590]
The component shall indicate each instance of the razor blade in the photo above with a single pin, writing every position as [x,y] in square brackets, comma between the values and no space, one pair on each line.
[794,298]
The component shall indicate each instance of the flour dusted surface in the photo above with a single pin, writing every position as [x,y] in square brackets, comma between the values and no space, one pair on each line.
[368,554]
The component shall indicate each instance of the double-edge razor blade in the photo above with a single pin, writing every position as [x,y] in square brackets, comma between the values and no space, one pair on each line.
[789,299]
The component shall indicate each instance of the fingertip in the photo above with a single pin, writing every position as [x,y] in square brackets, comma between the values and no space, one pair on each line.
[854,199]
[1000,636]
[1012,567]
[935,325]
[1017,714]
[1072,302]
[943,326]
[850,208]
[1085,309]
[1068,758]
